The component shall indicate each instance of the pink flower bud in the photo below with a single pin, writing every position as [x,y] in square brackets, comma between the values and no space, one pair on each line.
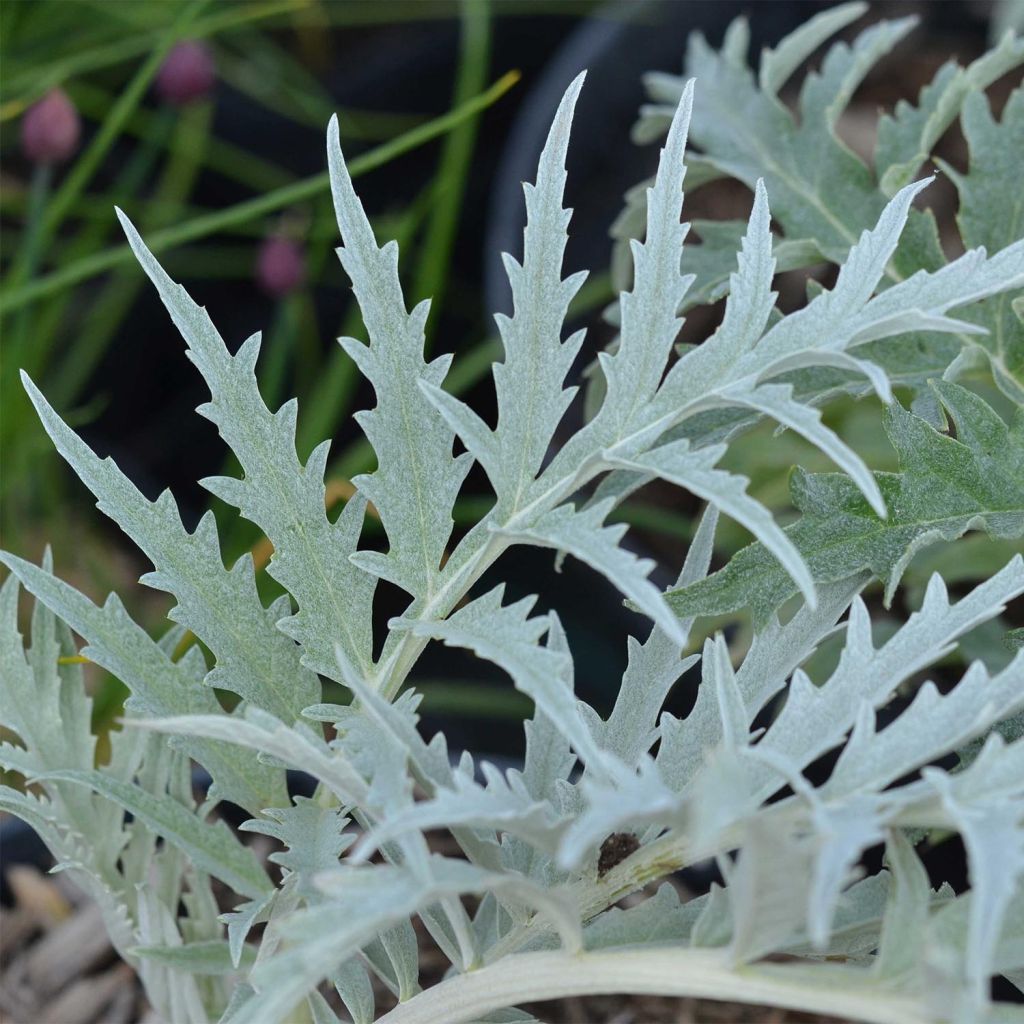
[50,129]
[281,266]
[187,73]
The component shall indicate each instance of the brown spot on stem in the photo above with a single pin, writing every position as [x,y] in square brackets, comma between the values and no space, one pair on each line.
[614,850]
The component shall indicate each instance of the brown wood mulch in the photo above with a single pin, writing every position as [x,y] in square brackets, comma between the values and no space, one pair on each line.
[57,966]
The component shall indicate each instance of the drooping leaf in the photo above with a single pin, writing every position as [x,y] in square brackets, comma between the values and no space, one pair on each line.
[695,470]
[296,746]
[945,487]
[506,635]
[584,534]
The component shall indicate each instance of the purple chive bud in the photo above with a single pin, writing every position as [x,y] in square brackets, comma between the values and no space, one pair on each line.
[281,266]
[186,74]
[50,129]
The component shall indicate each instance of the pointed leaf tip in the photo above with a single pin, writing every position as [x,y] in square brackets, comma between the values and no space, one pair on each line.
[572,90]
[36,397]
[127,226]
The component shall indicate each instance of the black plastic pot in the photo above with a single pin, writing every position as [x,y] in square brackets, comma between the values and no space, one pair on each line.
[625,39]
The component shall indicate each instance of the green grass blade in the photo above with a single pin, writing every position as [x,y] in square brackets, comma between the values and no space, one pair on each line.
[201,227]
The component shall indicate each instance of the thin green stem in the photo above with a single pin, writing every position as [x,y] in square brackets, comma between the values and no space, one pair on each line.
[25,451]
[88,163]
[452,170]
[268,73]
[35,80]
[17,459]
[308,355]
[39,192]
[253,65]
[227,159]
[332,394]
[300,191]
[441,697]
[281,343]
[32,243]
[191,135]
[130,179]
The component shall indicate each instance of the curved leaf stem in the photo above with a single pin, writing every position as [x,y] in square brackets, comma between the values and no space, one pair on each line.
[701,973]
